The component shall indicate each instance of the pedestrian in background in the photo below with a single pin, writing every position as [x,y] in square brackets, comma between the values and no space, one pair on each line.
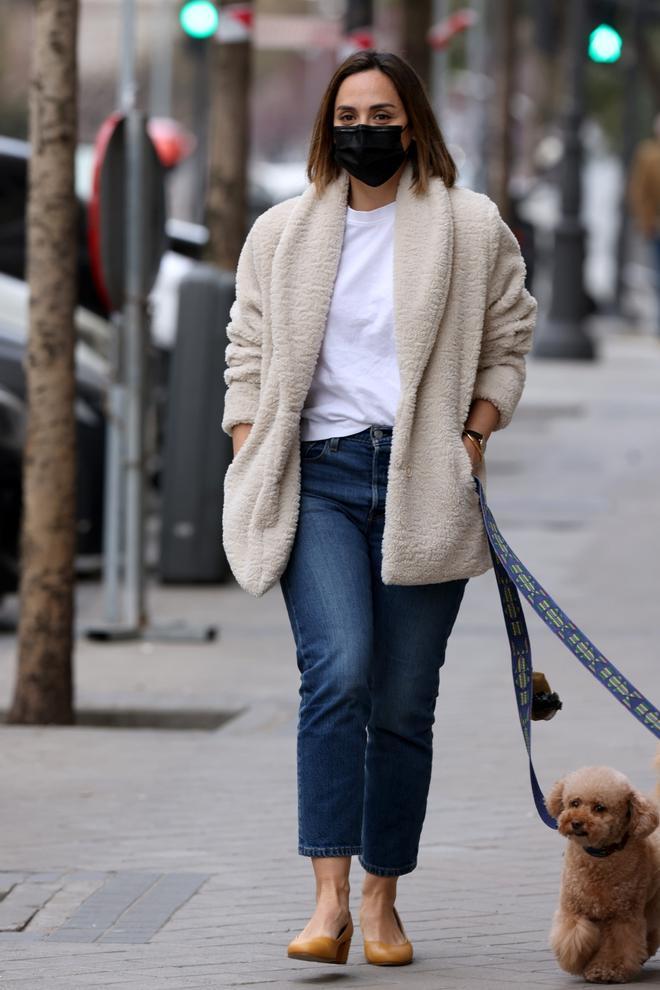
[377,339]
[644,197]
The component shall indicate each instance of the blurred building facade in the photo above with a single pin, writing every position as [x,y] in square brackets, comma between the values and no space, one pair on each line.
[497,90]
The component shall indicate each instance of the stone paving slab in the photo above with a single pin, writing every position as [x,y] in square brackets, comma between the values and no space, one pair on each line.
[574,485]
[22,902]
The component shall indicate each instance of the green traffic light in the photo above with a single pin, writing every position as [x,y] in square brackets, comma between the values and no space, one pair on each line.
[199,18]
[605,44]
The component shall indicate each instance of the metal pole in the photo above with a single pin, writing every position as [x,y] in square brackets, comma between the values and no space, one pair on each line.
[163,20]
[124,528]
[133,334]
[561,334]
[127,67]
[200,51]
[112,501]
[630,127]
[134,375]
[114,493]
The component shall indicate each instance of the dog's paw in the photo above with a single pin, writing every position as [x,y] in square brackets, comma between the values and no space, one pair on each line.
[602,973]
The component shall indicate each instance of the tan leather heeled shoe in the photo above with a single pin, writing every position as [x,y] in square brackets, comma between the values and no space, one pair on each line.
[388,953]
[323,948]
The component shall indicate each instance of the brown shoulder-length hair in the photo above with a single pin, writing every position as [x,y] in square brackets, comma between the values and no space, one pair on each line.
[428,153]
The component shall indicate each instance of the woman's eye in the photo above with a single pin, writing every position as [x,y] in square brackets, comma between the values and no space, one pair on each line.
[380,117]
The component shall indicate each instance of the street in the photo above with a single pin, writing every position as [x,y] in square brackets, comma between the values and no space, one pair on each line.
[153,858]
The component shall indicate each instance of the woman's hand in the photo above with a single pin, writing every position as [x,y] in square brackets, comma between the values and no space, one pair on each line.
[239,435]
[483,417]
[473,453]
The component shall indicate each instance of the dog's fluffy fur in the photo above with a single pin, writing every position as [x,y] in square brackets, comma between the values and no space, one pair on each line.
[608,921]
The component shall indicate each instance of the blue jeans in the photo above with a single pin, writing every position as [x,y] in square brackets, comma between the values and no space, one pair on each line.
[369,656]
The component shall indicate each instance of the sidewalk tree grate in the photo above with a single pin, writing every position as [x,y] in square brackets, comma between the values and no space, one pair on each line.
[126,907]
[186,720]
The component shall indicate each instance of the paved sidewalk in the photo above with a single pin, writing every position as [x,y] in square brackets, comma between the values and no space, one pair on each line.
[156,858]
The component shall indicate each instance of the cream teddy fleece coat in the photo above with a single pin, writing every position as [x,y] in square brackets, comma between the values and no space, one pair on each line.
[463,325]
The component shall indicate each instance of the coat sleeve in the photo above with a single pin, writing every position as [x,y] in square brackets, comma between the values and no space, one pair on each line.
[508,325]
[242,374]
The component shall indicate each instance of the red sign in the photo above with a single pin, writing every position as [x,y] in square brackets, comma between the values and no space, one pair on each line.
[105,132]
[441,34]
[173,143]
[106,224]
[235,23]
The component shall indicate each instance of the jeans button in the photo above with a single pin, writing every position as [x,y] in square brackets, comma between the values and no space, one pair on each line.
[378,433]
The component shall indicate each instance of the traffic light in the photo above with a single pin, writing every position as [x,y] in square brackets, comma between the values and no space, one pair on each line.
[199,18]
[605,44]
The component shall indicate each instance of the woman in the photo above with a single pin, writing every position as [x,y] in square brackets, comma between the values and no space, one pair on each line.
[379,316]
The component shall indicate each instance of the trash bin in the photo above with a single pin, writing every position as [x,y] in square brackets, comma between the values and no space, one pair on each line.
[196,451]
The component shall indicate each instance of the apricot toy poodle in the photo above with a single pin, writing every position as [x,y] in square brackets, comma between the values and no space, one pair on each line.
[608,921]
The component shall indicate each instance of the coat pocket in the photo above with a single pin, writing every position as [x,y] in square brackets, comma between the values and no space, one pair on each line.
[464,461]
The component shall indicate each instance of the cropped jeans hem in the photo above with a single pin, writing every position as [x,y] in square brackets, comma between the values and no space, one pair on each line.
[387,871]
[329,850]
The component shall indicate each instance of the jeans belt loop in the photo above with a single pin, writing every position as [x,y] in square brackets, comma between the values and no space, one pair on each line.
[334,443]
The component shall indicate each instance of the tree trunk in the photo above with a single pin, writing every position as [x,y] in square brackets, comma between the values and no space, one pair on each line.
[649,64]
[44,688]
[226,210]
[359,14]
[501,124]
[416,49]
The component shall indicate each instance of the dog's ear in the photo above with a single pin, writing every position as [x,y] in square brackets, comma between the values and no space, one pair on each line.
[555,799]
[644,817]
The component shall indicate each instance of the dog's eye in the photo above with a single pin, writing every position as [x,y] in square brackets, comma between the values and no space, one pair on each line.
[600,808]
[575,803]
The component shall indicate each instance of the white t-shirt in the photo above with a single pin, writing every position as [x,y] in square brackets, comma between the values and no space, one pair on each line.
[356,380]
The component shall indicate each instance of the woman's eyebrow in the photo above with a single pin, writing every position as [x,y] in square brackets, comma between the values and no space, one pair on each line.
[374,106]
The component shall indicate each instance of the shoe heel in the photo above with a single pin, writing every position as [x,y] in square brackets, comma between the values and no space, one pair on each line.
[342,951]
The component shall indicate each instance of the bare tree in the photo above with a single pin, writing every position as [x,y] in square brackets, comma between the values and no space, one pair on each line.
[44,688]
[647,57]
[226,205]
[503,24]
[417,19]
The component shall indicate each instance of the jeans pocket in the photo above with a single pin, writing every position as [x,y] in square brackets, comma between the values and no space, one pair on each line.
[313,450]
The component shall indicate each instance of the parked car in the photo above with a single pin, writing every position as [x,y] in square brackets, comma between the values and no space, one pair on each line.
[268,183]
[92,378]
[12,428]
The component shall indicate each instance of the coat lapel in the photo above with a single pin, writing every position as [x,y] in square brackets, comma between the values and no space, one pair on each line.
[423,250]
[303,276]
[305,268]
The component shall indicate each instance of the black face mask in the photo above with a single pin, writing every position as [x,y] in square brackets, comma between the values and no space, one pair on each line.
[371,153]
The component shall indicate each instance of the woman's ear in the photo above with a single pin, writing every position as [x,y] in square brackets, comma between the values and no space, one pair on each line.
[555,799]
[644,817]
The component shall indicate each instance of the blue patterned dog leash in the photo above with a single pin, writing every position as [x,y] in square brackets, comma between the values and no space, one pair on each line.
[513,577]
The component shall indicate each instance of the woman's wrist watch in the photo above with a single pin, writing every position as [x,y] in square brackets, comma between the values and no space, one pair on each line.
[477,439]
